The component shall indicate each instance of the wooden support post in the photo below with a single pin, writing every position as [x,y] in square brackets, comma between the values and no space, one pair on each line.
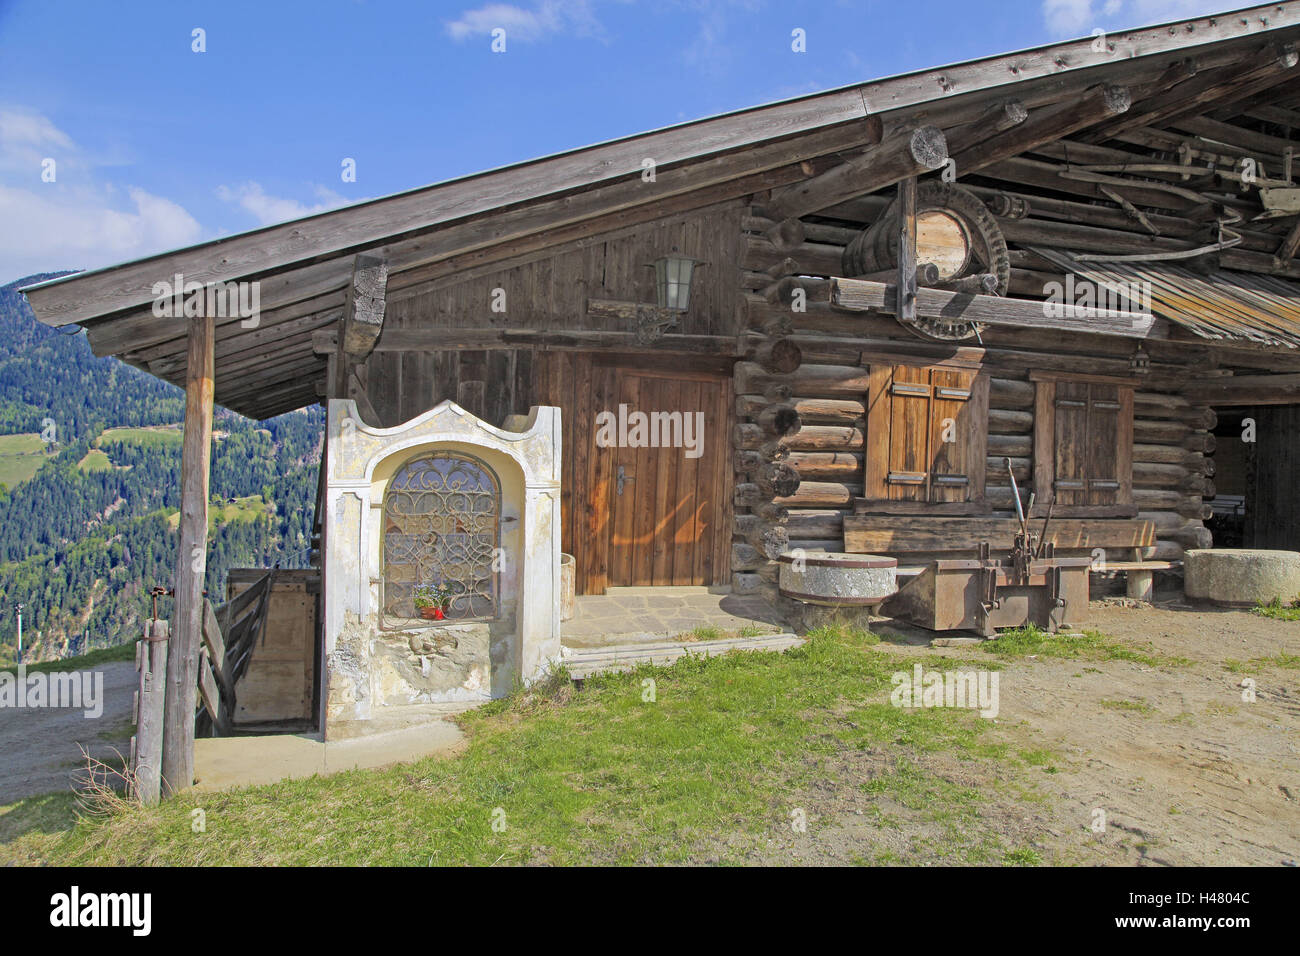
[907,250]
[191,562]
[147,744]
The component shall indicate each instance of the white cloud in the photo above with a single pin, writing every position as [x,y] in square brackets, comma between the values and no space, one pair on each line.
[526,25]
[1068,17]
[77,221]
[79,228]
[268,210]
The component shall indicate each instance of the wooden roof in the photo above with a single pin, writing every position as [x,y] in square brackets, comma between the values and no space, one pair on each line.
[430,234]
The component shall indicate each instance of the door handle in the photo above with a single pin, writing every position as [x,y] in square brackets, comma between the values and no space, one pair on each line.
[623,477]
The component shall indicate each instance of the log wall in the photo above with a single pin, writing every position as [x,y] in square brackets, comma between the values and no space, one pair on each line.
[1173,466]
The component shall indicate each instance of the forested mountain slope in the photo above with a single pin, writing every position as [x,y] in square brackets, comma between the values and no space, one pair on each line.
[88,523]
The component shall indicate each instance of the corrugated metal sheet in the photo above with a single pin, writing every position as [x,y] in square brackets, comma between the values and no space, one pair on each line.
[1238,306]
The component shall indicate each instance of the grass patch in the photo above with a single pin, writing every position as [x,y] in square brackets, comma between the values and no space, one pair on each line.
[1278,611]
[248,508]
[155,436]
[105,655]
[1132,706]
[95,460]
[1280,659]
[709,770]
[21,457]
[1031,641]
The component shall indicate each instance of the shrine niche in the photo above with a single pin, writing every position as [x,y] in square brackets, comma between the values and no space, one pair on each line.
[443,510]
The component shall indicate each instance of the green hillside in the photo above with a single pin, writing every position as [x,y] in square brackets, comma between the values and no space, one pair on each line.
[87,525]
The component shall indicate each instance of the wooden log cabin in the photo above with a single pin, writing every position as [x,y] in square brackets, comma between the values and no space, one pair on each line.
[887,316]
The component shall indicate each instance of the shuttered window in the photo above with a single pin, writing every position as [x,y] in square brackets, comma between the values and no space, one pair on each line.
[925,442]
[1083,445]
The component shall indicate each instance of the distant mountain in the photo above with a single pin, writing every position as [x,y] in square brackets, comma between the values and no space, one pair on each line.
[87,523]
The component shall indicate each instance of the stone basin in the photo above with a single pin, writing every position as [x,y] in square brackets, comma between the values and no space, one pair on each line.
[1241,577]
[835,579]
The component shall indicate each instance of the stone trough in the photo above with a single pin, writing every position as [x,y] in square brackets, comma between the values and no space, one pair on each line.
[1241,577]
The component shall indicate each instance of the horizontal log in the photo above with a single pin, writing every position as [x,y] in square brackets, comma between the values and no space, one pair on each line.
[995,468]
[818,381]
[1011,446]
[1010,393]
[816,524]
[870,534]
[819,466]
[858,296]
[814,545]
[1005,422]
[807,438]
[821,494]
[1190,506]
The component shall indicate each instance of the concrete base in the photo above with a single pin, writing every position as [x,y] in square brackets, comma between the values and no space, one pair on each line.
[224,762]
[1241,577]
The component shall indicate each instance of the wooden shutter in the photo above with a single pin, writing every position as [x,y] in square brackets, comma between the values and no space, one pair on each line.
[925,435]
[1083,446]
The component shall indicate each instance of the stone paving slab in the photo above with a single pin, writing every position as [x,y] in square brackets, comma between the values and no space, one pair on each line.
[641,615]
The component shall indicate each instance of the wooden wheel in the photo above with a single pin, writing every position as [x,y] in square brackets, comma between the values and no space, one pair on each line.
[955,231]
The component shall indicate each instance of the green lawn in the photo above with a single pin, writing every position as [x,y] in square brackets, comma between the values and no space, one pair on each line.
[710,766]
[21,456]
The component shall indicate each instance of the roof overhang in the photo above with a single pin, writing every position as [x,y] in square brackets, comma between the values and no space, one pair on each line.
[426,235]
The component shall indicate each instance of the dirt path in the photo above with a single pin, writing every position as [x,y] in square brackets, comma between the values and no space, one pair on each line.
[1185,771]
[39,749]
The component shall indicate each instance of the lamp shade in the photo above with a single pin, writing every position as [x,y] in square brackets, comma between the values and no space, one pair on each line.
[673,281]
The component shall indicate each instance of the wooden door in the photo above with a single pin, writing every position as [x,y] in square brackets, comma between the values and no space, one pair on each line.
[659,492]
[671,524]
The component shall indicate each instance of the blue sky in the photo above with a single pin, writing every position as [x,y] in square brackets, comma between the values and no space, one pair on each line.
[156,146]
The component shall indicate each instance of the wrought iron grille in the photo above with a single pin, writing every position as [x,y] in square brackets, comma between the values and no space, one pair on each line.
[442,519]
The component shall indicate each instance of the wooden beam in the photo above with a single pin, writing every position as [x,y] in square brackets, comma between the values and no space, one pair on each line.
[1249,390]
[1272,65]
[914,151]
[906,275]
[887,534]
[855,295]
[474,340]
[363,314]
[1044,126]
[456,228]
[191,562]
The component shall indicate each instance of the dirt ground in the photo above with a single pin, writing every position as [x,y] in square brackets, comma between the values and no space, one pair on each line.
[1185,770]
[40,748]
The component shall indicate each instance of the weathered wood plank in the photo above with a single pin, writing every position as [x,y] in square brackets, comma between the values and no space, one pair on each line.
[870,534]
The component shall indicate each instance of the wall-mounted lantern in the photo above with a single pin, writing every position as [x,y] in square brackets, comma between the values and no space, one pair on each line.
[673,275]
